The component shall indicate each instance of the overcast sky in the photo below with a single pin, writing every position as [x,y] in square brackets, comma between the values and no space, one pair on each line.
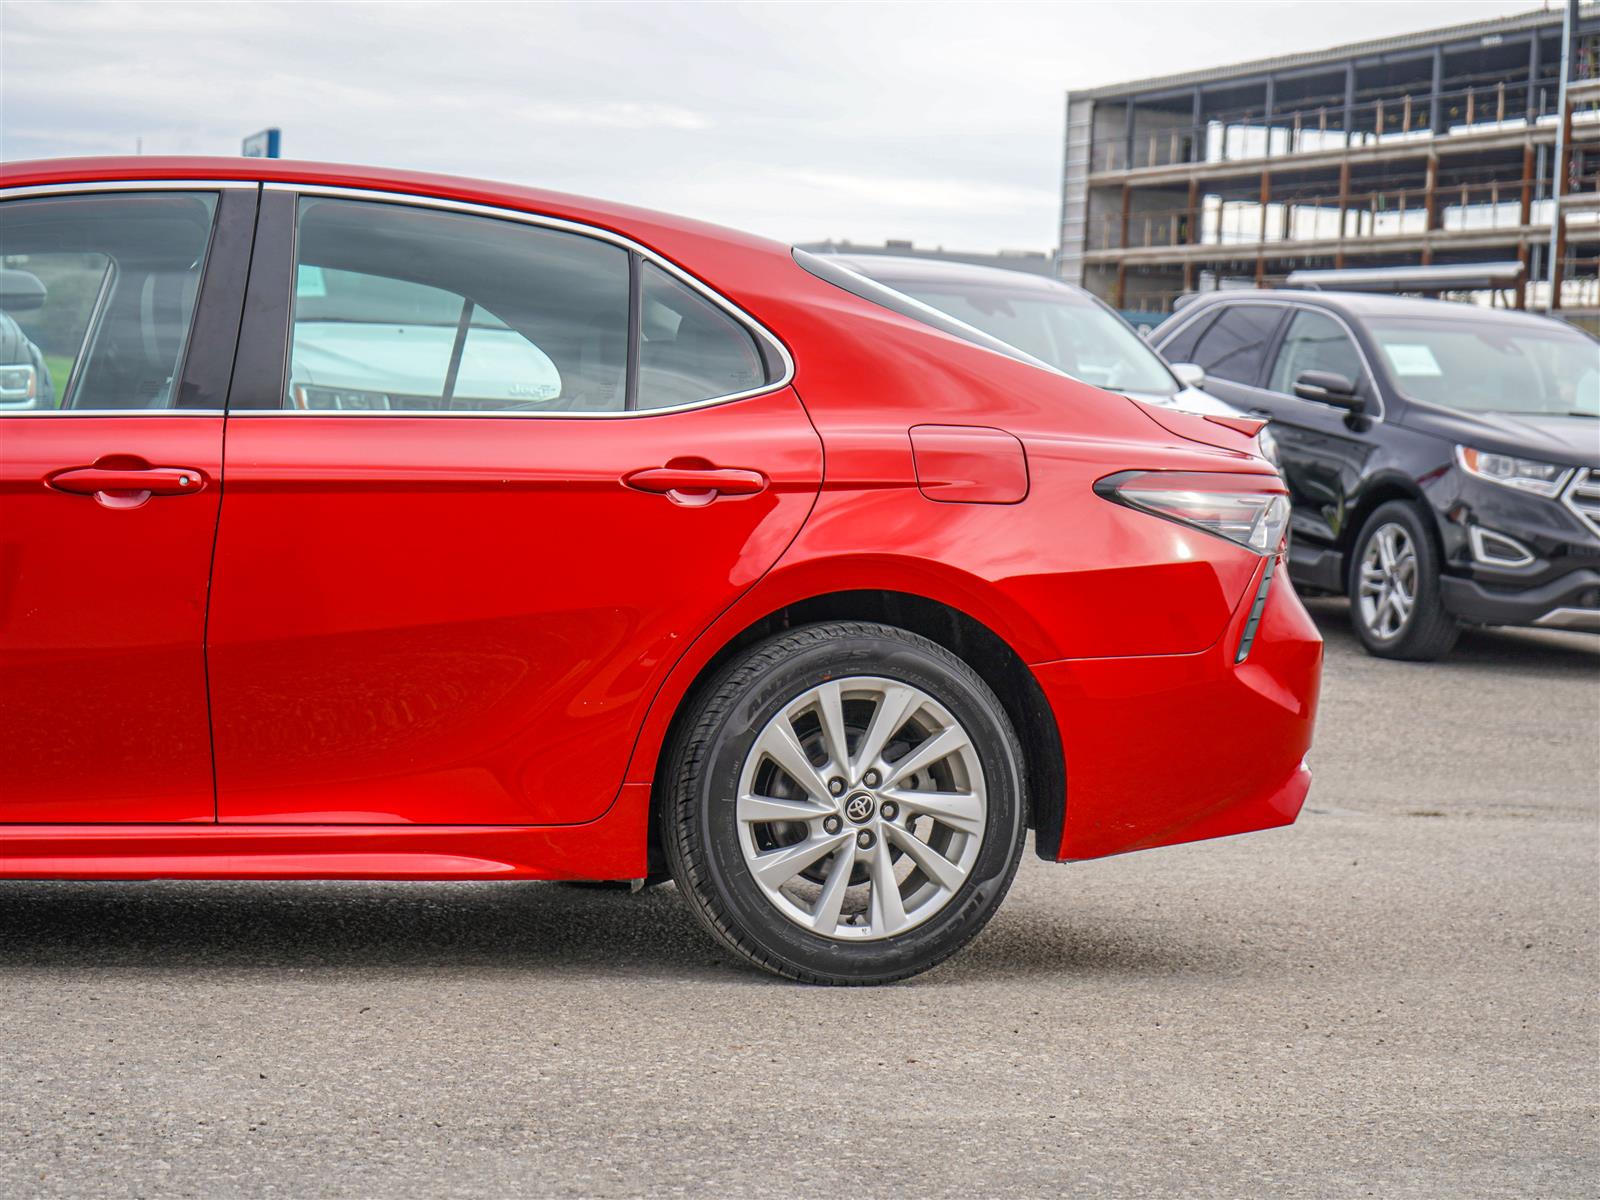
[937,122]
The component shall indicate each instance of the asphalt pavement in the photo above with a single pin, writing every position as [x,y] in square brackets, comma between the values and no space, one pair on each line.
[1395,997]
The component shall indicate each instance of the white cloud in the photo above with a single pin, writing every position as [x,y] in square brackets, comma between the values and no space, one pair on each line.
[937,122]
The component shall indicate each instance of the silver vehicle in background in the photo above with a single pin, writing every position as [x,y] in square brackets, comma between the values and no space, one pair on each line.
[1059,324]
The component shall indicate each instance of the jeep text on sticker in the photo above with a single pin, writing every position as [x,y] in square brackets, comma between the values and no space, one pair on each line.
[1411,359]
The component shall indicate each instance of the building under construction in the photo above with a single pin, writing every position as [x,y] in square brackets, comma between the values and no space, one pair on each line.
[1435,148]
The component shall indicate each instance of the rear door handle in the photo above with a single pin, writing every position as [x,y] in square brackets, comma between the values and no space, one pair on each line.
[696,485]
[128,487]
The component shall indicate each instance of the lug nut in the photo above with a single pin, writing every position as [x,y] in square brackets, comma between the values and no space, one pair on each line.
[889,810]
[864,839]
[836,786]
[831,824]
[870,779]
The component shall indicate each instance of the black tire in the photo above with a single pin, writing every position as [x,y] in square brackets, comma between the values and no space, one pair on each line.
[1429,631]
[700,829]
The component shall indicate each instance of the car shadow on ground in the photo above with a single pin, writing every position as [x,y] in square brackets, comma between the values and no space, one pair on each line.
[1536,651]
[540,928]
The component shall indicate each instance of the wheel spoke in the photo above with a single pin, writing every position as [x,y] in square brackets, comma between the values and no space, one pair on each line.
[895,707]
[776,867]
[961,811]
[1386,550]
[779,743]
[934,865]
[756,809]
[888,910]
[830,715]
[943,744]
[825,917]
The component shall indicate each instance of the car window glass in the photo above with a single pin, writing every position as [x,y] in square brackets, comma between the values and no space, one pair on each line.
[1068,331]
[415,310]
[1481,364]
[96,298]
[1235,344]
[689,349]
[1315,342]
[1180,347]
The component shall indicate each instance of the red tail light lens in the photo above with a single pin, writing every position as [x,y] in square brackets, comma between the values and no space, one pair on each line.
[1250,510]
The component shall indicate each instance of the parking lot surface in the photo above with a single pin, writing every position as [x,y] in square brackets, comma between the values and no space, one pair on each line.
[1395,997]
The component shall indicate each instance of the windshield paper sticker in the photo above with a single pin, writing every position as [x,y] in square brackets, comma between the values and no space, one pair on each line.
[1411,359]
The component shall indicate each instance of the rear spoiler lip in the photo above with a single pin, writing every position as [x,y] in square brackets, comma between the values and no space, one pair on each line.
[1249,426]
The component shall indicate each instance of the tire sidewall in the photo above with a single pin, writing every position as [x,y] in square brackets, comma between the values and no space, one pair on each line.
[715,817]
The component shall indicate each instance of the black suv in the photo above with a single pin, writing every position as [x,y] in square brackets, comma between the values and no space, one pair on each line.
[1443,459]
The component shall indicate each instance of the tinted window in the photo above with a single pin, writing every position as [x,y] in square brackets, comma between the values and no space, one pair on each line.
[1236,342]
[96,297]
[690,349]
[1180,348]
[409,309]
[1315,342]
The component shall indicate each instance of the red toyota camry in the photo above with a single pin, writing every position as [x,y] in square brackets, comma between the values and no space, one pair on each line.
[374,525]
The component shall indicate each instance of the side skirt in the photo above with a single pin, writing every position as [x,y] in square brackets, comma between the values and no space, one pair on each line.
[610,847]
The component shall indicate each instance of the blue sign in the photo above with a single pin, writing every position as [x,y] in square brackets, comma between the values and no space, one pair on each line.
[262,145]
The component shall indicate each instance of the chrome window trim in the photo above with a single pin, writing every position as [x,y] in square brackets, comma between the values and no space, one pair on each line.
[111,412]
[755,328]
[127,185]
[89,187]
[1299,305]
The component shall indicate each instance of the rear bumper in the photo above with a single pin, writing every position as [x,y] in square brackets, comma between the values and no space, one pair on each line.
[1175,748]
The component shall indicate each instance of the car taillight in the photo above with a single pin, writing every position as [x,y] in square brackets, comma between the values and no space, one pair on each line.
[1250,510]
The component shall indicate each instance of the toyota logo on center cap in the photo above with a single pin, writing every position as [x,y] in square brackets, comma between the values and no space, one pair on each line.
[859,808]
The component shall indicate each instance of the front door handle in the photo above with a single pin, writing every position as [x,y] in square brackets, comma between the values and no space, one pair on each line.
[128,487]
[696,485]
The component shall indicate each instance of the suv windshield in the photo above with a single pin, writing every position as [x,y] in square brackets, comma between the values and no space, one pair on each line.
[1478,365]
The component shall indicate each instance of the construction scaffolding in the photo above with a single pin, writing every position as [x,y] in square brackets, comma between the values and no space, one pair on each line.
[1451,146]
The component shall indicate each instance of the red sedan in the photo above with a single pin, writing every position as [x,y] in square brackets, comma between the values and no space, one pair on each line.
[364,524]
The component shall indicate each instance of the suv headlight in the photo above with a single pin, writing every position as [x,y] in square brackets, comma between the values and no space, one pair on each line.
[18,382]
[1525,474]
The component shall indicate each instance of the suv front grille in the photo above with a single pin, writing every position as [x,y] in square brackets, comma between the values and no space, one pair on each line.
[1583,498]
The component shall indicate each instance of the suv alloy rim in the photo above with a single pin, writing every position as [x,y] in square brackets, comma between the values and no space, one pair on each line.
[1388,583]
[861,808]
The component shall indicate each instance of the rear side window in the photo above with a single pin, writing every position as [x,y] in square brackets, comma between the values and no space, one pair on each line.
[97,294]
[414,310]
[689,349]
[1235,344]
[400,308]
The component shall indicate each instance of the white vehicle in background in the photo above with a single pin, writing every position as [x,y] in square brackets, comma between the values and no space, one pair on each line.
[433,352]
[1059,324]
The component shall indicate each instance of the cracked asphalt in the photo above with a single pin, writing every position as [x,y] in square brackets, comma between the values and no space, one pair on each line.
[1395,997]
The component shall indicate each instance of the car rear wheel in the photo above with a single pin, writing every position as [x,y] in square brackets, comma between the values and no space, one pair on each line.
[845,804]
[1394,587]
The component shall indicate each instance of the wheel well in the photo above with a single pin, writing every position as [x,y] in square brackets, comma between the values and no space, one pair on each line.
[1044,767]
[1372,499]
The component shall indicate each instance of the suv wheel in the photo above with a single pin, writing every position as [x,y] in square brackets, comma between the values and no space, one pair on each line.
[1394,587]
[844,804]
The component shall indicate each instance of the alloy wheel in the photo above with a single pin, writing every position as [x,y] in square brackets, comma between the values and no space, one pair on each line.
[861,808]
[1387,588]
